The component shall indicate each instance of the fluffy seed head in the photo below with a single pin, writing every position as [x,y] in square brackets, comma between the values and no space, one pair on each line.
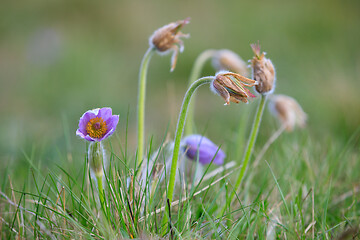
[167,39]
[288,111]
[263,71]
[228,60]
[231,87]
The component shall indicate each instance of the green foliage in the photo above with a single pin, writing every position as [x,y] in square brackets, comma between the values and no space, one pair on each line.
[305,187]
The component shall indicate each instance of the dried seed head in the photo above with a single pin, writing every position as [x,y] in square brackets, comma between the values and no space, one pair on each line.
[167,39]
[288,111]
[228,60]
[263,71]
[231,87]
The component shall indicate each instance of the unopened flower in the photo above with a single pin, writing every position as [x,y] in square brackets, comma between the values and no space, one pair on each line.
[97,124]
[167,39]
[231,87]
[96,157]
[263,71]
[197,145]
[288,111]
[228,60]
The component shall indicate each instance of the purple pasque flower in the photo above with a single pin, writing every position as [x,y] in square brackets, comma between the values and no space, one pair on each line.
[207,150]
[97,124]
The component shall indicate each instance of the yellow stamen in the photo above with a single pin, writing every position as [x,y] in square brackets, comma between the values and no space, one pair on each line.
[96,127]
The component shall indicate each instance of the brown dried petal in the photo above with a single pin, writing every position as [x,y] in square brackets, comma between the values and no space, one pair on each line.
[222,91]
[229,87]
[167,38]
[169,35]
[263,71]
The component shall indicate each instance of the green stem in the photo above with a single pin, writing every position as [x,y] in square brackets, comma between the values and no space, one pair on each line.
[96,158]
[195,74]
[177,141]
[101,190]
[179,132]
[141,103]
[249,149]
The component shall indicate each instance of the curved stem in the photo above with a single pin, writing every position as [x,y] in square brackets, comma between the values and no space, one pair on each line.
[177,141]
[195,73]
[141,103]
[249,149]
[179,132]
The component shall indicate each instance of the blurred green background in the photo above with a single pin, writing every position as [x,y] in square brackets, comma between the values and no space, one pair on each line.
[61,58]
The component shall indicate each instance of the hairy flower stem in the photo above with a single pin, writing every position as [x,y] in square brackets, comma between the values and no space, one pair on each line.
[179,131]
[249,149]
[96,157]
[141,103]
[195,74]
[178,136]
[252,139]
[99,180]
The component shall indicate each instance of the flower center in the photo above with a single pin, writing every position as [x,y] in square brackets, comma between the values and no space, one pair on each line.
[96,127]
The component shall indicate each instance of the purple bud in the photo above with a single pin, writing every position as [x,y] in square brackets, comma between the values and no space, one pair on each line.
[197,145]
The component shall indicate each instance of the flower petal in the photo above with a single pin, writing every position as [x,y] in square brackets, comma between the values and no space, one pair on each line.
[201,146]
[87,137]
[85,118]
[105,113]
[111,124]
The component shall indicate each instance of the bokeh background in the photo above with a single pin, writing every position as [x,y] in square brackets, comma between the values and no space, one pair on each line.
[61,58]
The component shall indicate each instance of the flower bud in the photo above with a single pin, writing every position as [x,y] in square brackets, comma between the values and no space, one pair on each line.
[197,145]
[96,156]
[228,60]
[231,87]
[263,71]
[167,39]
[288,111]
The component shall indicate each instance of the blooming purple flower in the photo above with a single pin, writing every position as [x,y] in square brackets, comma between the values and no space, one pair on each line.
[207,150]
[97,124]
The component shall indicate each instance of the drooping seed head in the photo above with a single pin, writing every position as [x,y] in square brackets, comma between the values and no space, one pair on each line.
[231,87]
[167,39]
[97,124]
[200,146]
[228,60]
[288,111]
[263,71]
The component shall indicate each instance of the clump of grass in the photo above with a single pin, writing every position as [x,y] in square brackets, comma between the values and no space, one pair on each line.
[293,195]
